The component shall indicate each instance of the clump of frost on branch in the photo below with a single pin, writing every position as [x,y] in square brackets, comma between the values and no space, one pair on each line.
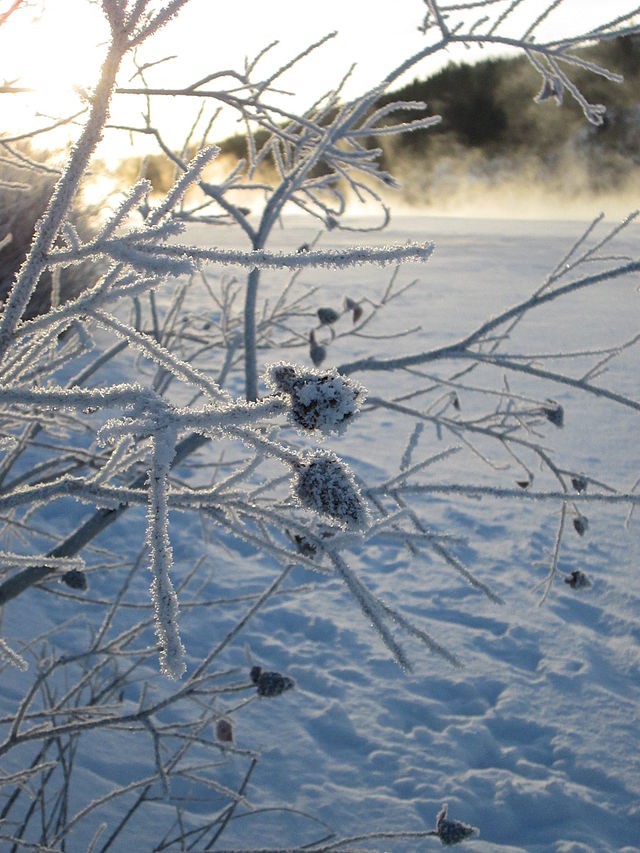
[452,832]
[326,485]
[320,400]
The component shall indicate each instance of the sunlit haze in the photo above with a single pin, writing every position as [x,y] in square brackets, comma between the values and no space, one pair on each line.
[56,51]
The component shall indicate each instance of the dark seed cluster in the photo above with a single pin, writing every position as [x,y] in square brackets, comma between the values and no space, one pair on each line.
[577,580]
[554,413]
[270,683]
[452,831]
[75,579]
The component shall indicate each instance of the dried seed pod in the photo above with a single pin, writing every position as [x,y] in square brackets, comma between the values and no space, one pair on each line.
[452,832]
[577,580]
[354,307]
[579,483]
[325,484]
[327,316]
[581,524]
[320,400]
[224,731]
[75,579]
[554,413]
[270,683]
[524,484]
[317,352]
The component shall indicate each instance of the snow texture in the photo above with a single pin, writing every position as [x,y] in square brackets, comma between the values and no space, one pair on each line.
[535,740]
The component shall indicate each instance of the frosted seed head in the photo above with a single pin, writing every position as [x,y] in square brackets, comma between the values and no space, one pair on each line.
[320,400]
[452,832]
[324,484]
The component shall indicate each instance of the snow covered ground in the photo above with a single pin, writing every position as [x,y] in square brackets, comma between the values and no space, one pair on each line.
[536,739]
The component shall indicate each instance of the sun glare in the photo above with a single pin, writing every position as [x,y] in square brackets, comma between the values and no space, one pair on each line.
[53,57]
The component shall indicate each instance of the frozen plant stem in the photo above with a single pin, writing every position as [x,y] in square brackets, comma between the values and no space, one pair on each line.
[250,354]
[162,591]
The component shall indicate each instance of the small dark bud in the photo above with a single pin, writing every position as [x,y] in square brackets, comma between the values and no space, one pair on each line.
[581,523]
[75,579]
[452,832]
[354,307]
[224,731]
[330,223]
[554,413]
[317,352]
[327,316]
[455,401]
[577,580]
[524,484]
[270,683]
[303,248]
[579,483]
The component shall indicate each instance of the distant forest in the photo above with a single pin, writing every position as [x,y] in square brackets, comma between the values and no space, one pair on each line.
[495,139]
[493,131]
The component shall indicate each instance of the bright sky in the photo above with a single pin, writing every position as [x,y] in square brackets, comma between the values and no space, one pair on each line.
[47,53]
